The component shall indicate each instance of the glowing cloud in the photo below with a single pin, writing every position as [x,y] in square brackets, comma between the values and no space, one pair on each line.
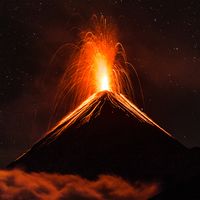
[17,184]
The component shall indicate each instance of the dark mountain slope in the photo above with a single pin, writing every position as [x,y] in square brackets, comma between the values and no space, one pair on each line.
[108,135]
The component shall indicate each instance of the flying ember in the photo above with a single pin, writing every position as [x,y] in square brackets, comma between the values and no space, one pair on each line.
[98,62]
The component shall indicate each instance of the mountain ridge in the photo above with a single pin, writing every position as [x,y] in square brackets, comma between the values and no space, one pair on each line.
[107,134]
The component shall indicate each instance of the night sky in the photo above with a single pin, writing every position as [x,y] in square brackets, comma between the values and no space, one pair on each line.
[161,39]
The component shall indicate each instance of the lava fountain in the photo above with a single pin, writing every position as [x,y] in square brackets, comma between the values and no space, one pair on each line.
[102,73]
[98,63]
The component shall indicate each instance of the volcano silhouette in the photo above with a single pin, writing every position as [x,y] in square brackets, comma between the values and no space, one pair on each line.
[107,134]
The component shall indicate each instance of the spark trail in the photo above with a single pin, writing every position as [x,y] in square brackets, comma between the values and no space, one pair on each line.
[98,63]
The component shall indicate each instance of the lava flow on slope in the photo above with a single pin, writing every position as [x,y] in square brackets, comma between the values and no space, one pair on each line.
[106,134]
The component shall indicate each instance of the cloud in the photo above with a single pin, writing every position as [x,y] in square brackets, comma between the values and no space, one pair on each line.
[19,185]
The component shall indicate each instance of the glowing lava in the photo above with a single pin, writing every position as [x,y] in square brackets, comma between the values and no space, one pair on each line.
[97,63]
[104,83]
[102,73]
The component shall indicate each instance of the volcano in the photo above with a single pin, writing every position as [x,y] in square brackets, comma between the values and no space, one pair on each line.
[107,134]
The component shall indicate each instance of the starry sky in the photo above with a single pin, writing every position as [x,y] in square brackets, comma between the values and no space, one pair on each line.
[161,39]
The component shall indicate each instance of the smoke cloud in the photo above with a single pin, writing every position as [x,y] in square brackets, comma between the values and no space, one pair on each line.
[19,185]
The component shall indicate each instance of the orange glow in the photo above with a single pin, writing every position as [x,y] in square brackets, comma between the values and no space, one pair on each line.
[97,57]
[102,73]
[104,83]
[97,63]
